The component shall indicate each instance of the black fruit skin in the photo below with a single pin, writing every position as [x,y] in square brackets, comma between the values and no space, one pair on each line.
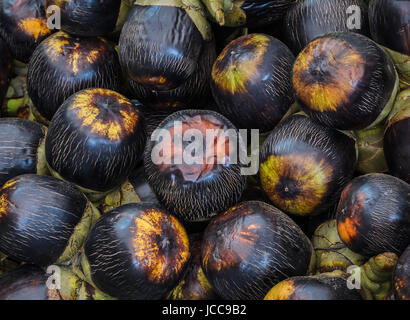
[87,18]
[355,99]
[190,191]
[318,287]
[296,148]
[266,94]
[167,67]
[373,215]
[38,215]
[67,65]
[264,12]
[19,143]
[23,26]
[122,269]
[141,187]
[308,19]
[397,148]
[390,24]
[5,68]
[90,158]
[401,276]
[251,247]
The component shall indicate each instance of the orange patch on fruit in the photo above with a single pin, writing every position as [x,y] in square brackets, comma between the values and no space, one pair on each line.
[281,291]
[36,27]
[347,229]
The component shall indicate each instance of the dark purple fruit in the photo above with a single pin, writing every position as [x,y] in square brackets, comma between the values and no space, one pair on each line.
[373,215]
[62,65]
[250,248]
[401,276]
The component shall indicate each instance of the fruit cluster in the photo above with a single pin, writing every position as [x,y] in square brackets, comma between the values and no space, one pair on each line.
[124,128]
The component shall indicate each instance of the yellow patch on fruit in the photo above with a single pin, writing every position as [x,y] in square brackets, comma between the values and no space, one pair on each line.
[281,291]
[148,227]
[326,74]
[312,177]
[89,113]
[235,74]
[347,229]
[36,27]
[3,204]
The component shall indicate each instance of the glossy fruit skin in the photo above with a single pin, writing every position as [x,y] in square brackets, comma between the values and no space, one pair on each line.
[5,68]
[308,19]
[167,68]
[141,187]
[319,287]
[264,12]
[390,24]
[137,251]
[345,81]
[304,166]
[23,25]
[373,215]
[38,215]
[251,81]
[68,65]
[396,144]
[401,276]
[95,139]
[20,140]
[197,191]
[251,247]
[87,18]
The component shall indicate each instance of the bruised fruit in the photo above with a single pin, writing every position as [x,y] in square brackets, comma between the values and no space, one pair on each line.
[251,81]
[23,25]
[345,80]
[401,276]
[308,19]
[21,148]
[397,136]
[62,65]
[251,247]
[87,17]
[95,140]
[5,69]
[192,164]
[373,214]
[136,251]
[167,60]
[43,220]
[325,286]
[304,166]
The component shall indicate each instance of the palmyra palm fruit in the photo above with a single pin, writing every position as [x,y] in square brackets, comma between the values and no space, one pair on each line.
[43,220]
[331,253]
[325,286]
[390,27]
[251,81]
[345,80]
[95,140]
[193,166]
[250,13]
[373,214]
[136,251]
[308,19]
[401,276]
[29,282]
[5,69]
[396,137]
[87,17]
[194,285]
[166,50]
[251,247]
[370,148]
[21,148]
[23,25]
[304,166]
[62,65]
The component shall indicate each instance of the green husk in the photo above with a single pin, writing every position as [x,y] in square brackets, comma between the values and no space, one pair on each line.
[402,102]
[42,167]
[402,63]
[124,195]
[226,12]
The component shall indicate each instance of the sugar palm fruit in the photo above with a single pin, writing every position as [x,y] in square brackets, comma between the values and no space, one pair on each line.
[43,220]
[401,276]
[304,166]
[166,49]
[345,81]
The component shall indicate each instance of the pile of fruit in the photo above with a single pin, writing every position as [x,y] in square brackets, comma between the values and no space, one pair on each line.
[98,203]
